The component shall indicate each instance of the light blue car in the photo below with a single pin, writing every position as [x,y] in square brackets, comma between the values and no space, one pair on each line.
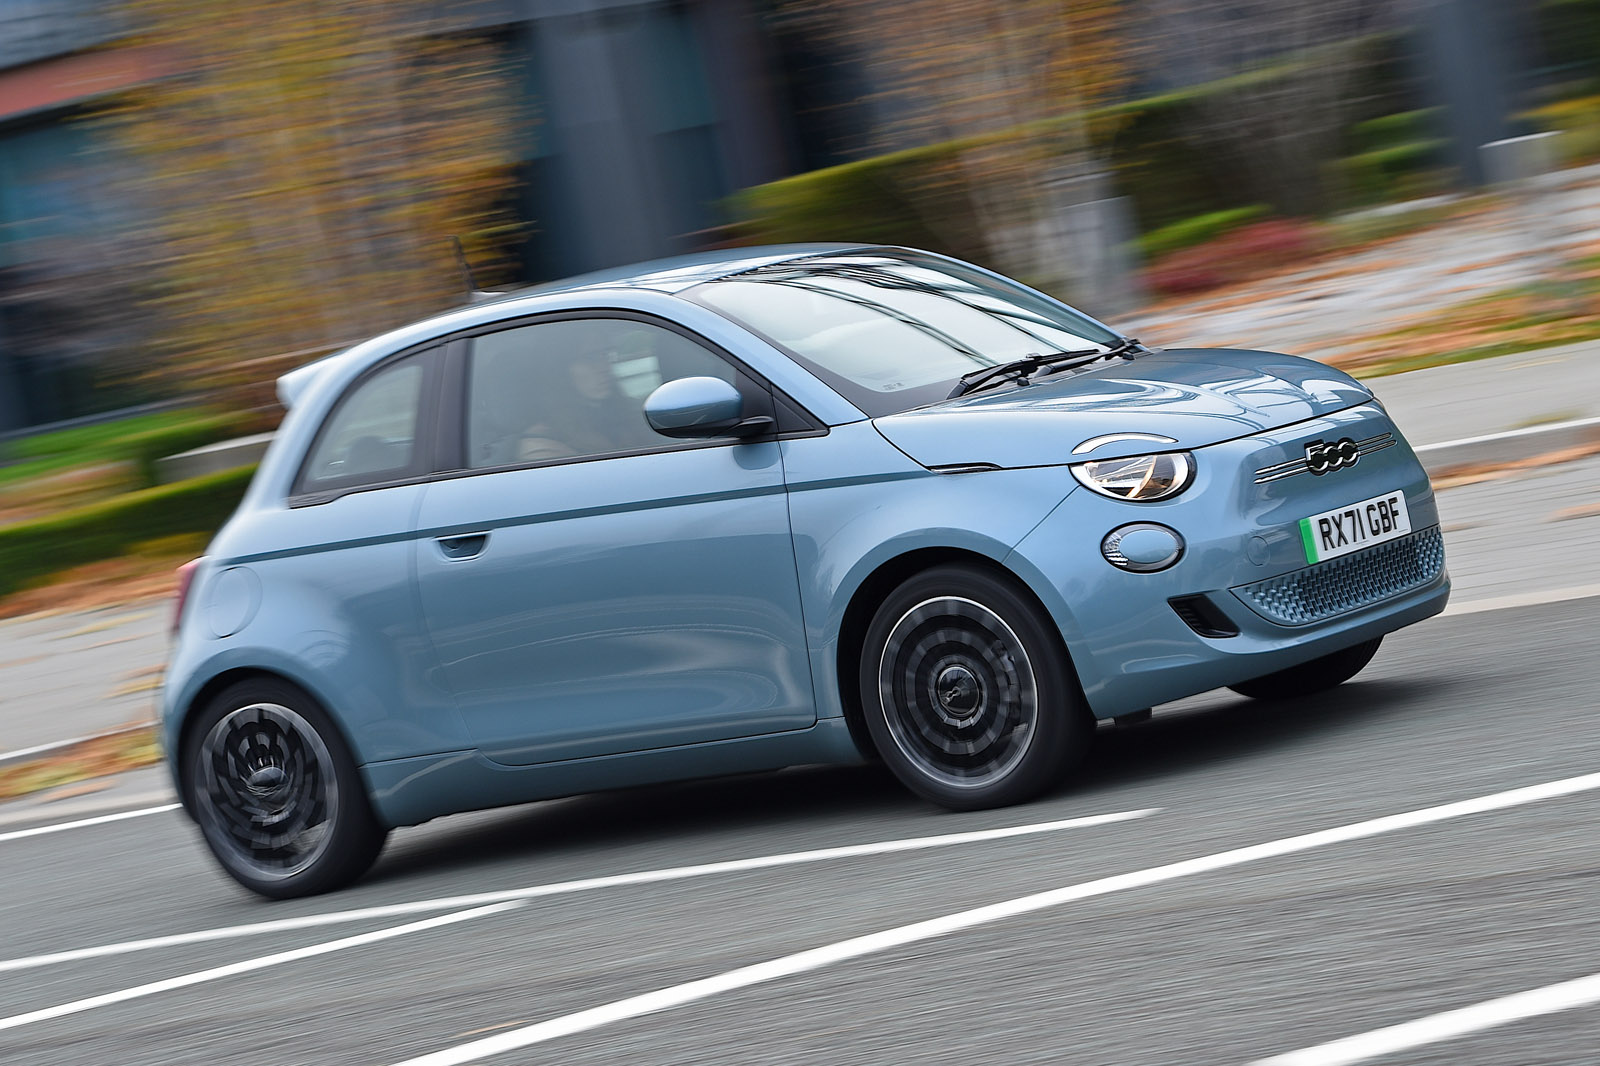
[772,506]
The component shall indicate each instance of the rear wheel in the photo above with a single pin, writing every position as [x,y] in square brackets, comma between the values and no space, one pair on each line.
[276,793]
[967,690]
[1314,676]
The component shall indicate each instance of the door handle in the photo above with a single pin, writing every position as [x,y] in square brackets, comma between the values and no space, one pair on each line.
[462,545]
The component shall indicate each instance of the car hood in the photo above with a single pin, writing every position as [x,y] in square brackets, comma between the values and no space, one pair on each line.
[1195,396]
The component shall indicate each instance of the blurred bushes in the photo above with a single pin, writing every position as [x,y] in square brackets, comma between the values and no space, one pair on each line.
[139,440]
[1237,256]
[1578,122]
[1396,157]
[913,197]
[35,549]
[144,448]
[918,197]
[1189,232]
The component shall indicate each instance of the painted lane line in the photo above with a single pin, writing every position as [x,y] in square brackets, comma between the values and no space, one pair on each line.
[18,834]
[217,972]
[1446,1025]
[873,943]
[89,806]
[565,887]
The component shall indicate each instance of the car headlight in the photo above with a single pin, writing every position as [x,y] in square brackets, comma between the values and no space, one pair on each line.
[1138,477]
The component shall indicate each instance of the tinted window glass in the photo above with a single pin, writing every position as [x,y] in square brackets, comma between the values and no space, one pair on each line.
[892,330]
[372,435]
[573,388]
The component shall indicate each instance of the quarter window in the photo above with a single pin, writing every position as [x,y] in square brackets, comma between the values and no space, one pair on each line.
[574,388]
[371,437]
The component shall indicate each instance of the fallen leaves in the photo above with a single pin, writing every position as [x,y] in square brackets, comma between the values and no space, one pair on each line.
[97,757]
[1473,473]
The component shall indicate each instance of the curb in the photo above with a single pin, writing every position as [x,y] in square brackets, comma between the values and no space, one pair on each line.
[1510,446]
[44,751]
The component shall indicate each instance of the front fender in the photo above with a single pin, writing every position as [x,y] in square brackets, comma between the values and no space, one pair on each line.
[847,525]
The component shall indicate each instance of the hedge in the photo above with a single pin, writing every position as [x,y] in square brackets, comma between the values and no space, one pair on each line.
[1189,232]
[36,549]
[917,196]
[139,440]
[143,449]
[1578,123]
[1410,169]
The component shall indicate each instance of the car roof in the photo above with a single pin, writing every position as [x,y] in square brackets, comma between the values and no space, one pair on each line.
[670,275]
[679,272]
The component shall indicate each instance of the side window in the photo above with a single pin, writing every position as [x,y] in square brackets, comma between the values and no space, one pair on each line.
[574,388]
[371,437]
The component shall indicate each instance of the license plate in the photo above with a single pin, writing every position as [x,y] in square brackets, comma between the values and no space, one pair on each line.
[1360,525]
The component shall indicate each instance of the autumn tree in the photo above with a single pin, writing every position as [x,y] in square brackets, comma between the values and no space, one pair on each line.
[1008,86]
[300,168]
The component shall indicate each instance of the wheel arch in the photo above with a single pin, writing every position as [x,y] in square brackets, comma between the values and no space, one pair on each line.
[219,683]
[871,592]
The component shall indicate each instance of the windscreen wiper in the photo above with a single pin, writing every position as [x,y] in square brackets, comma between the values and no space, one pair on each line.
[1020,370]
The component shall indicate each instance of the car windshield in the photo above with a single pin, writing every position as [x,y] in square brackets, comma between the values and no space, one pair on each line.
[891,329]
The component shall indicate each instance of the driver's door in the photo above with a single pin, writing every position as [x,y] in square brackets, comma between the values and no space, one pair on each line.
[592,587]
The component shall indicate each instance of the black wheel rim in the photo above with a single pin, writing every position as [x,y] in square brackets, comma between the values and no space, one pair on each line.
[957,691]
[266,789]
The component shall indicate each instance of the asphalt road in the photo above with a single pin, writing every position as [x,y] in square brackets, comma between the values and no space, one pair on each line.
[1251,954]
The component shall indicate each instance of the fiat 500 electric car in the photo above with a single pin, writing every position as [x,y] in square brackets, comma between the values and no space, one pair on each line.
[757,508]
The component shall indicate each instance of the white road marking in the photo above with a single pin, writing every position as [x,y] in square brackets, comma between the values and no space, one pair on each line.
[1447,1025]
[1511,434]
[1523,599]
[230,970]
[679,873]
[873,943]
[18,834]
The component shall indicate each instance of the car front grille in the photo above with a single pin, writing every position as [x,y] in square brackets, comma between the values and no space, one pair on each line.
[1337,586]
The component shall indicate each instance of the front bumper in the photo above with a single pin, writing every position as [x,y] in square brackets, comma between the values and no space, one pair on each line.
[1245,559]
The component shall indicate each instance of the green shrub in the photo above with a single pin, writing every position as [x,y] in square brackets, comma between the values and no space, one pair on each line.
[89,439]
[1385,174]
[916,197]
[1189,232]
[1387,131]
[35,549]
[919,197]
[141,440]
[1578,123]
[143,449]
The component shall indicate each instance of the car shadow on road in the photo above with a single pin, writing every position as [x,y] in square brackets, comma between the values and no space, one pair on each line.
[1189,737]
[764,803]
[1193,736]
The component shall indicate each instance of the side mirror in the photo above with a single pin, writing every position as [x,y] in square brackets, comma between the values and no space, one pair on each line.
[701,407]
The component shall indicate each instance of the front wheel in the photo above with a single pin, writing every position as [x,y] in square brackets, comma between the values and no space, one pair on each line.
[1314,676]
[276,793]
[967,691]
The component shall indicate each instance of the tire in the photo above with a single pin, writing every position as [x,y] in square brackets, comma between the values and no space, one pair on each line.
[1314,676]
[276,792]
[967,690]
